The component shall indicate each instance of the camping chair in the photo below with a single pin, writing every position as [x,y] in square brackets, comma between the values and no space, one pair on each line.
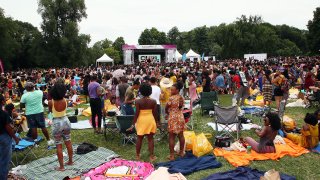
[315,98]
[208,101]
[109,124]
[24,148]
[124,123]
[226,118]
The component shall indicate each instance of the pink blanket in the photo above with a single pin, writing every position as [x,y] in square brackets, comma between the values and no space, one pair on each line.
[141,169]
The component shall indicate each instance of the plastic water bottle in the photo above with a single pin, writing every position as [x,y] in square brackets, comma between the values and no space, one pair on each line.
[234,99]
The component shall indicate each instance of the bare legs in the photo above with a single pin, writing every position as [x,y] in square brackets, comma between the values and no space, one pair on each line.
[171,144]
[60,155]
[34,133]
[278,100]
[150,147]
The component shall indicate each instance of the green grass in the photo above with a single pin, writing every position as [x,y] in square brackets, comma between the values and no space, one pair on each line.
[306,166]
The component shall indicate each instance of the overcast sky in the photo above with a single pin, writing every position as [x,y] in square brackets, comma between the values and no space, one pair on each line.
[128,18]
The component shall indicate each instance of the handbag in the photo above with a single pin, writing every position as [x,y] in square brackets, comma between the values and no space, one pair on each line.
[85,148]
[222,141]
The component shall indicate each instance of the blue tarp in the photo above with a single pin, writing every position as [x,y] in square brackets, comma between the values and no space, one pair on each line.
[243,173]
[190,164]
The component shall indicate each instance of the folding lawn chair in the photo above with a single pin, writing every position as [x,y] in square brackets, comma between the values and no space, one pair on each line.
[124,123]
[228,117]
[110,126]
[208,101]
[24,148]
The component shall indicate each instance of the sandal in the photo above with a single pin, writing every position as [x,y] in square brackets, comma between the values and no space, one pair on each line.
[170,157]
[153,158]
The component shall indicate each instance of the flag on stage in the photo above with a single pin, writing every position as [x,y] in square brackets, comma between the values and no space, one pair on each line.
[184,57]
[1,66]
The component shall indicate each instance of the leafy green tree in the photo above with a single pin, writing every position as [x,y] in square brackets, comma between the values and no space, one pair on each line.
[114,54]
[63,44]
[314,32]
[152,36]
[174,35]
[117,45]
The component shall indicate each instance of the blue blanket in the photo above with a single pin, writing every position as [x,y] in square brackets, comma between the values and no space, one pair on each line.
[316,149]
[190,164]
[243,173]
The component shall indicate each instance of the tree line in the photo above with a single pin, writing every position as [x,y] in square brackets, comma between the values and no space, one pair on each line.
[60,44]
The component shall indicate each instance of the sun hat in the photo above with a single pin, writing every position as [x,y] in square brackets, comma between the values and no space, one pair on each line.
[166,83]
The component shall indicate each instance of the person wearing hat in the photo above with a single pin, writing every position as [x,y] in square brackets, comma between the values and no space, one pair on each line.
[165,85]
[32,102]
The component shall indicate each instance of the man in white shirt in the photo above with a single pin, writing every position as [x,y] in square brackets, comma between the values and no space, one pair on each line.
[156,92]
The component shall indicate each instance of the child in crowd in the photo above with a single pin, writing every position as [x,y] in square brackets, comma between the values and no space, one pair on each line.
[309,137]
[176,122]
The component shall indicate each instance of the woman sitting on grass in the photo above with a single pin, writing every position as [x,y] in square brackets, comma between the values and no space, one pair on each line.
[176,122]
[60,124]
[267,134]
[309,137]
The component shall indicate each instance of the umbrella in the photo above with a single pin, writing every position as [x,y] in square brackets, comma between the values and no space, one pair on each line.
[118,73]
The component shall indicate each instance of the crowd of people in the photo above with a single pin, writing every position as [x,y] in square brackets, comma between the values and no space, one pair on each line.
[153,93]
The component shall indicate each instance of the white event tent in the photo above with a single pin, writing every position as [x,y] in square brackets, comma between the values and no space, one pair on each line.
[105,59]
[192,55]
[178,55]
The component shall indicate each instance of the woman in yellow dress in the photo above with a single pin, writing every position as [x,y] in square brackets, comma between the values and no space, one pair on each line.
[309,137]
[145,120]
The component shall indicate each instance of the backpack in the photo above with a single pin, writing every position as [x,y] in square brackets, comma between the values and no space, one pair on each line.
[85,148]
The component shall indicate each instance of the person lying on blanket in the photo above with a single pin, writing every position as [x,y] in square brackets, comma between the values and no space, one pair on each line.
[267,134]
[309,137]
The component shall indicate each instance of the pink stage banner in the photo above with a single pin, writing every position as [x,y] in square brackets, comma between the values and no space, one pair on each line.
[132,47]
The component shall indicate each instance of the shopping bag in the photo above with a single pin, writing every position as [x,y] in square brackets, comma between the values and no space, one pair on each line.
[271,175]
[189,137]
[177,147]
[201,145]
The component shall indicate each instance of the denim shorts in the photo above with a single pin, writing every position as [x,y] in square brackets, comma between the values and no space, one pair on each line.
[36,120]
[61,129]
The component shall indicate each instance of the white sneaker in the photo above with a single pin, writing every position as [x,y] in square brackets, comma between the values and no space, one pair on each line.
[50,142]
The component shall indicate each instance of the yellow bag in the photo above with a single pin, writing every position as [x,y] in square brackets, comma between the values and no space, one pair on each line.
[288,123]
[201,145]
[87,112]
[259,98]
[189,137]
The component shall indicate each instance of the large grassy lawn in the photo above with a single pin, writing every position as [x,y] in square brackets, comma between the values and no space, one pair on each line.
[304,167]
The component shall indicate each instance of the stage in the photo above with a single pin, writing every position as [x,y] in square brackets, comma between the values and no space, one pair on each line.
[133,54]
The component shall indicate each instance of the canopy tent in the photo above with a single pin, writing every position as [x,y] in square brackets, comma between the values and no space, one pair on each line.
[192,55]
[178,55]
[105,59]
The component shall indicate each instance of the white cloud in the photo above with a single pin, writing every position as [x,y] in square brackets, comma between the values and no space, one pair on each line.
[128,18]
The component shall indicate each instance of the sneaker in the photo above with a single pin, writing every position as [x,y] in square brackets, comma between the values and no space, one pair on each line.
[50,142]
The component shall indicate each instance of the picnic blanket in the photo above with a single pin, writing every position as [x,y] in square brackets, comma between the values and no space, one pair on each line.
[44,168]
[121,168]
[243,173]
[190,163]
[234,127]
[237,158]
[85,124]
[297,103]
[252,109]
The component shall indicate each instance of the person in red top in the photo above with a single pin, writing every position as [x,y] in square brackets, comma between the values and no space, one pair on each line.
[235,78]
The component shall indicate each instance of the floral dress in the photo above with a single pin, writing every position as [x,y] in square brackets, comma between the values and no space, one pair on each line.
[176,122]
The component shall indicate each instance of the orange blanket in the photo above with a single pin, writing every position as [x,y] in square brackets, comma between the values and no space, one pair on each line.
[237,158]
